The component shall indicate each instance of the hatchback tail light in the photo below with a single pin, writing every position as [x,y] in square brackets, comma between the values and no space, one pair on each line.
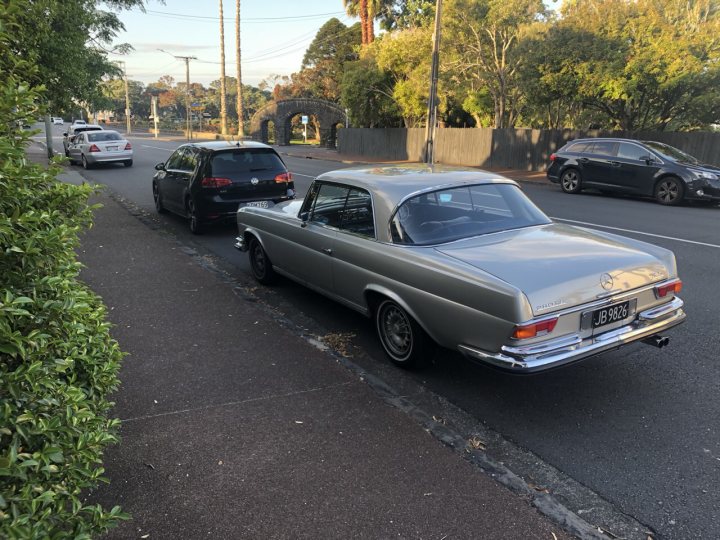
[674,287]
[128,146]
[540,328]
[214,182]
[93,148]
[283,178]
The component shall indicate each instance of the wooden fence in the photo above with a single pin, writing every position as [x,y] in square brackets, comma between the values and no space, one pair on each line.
[525,149]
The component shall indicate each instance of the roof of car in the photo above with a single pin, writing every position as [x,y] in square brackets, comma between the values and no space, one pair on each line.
[391,184]
[214,146]
[82,127]
[613,139]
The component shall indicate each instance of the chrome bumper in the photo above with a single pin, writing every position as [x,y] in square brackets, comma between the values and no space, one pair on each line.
[567,349]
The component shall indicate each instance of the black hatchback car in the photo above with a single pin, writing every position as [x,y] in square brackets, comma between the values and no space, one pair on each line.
[206,182]
[634,167]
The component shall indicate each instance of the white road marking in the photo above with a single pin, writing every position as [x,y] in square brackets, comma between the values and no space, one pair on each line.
[300,174]
[639,232]
[157,147]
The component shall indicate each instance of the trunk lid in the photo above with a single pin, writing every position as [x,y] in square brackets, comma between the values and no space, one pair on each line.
[252,172]
[559,266]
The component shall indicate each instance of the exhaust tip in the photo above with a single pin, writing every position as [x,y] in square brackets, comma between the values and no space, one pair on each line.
[657,341]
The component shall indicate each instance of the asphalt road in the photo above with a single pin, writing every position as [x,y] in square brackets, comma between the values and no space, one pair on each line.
[637,427]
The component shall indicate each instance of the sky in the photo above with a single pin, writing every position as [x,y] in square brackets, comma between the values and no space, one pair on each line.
[274,36]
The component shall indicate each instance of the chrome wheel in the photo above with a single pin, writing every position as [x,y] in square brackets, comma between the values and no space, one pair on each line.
[669,192]
[570,181]
[402,338]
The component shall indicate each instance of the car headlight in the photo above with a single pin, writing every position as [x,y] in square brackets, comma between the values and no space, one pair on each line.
[705,174]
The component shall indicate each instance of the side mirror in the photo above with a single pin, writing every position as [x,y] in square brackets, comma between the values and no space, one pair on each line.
[304,217]
[647,159]
[65,134]
[160,167]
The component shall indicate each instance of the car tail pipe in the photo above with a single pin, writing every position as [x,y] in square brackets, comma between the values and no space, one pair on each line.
[657,341]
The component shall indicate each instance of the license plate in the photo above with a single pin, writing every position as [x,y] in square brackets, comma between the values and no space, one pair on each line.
[257,204]
[610,314]
[112,148]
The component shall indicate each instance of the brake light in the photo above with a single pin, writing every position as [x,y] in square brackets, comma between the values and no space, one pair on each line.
[540,328]
[661,291]
[93,148]
[214,182]
[128,146]
[553,157]
[283,178]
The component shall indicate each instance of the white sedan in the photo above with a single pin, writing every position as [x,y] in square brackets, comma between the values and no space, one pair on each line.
[90,148]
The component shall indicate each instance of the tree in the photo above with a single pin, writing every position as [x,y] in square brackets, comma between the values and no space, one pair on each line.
[481,38]
[365,10]
[367,92]
[401,14]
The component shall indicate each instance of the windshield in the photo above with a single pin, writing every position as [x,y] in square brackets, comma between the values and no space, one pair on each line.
[452,214]
[669,152]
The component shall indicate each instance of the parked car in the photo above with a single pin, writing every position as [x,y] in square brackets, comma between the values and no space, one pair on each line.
[633,167]
[79,122]
[56,120]
[70,134]
[206,182]
[463,259]
[92,147]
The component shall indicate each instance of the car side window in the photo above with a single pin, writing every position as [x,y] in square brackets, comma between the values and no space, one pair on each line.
[631,151]
[357,217]
[603,148]
[329,205]
[578,147]
[174,161]
[188,160]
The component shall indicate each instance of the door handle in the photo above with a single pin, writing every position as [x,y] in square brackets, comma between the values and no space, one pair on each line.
[327,251]
[615,163]
[583,160]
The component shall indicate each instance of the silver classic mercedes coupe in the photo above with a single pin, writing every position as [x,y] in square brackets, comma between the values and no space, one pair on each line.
[463,259]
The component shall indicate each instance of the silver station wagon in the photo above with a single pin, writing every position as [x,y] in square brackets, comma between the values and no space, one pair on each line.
[463,259]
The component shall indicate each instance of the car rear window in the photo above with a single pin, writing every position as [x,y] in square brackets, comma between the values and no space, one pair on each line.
[103,136]
[238,162]
[578,147]
[452,214]
[80,129]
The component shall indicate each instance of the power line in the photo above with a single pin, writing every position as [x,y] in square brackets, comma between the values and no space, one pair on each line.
[252,20]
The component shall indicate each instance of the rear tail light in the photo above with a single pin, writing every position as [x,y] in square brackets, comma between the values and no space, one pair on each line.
[540,328]
[674,287]
[128,146]
[283,178]
[553,157]
[94,148]
[214,182]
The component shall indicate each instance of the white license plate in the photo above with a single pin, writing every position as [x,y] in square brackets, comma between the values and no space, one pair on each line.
[111,148]
[257,204]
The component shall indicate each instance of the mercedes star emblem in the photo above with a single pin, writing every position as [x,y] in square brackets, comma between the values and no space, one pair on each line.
[606,281]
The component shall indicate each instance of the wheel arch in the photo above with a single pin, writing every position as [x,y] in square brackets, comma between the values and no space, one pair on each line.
[669,174]
[375,294]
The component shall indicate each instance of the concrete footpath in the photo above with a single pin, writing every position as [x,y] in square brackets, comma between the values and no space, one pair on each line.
[236,425]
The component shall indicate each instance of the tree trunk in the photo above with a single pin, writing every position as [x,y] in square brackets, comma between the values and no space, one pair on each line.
[363,12]
[241,119]
[223,104]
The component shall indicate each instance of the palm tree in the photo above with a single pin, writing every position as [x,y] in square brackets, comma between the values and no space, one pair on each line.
[367,10]
[241,123]
[223,105]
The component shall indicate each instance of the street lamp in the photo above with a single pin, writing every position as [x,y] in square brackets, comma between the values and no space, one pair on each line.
[187,89]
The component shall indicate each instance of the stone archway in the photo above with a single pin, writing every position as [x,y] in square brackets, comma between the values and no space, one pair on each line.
[328,114]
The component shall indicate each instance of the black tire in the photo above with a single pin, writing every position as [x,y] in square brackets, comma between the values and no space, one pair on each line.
[669,191]
[571,181]
[404,341]
[84,162]
[196,226]
[158,199]
[128,163]
[260,263]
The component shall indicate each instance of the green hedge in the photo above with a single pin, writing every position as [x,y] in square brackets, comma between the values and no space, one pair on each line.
[58,362]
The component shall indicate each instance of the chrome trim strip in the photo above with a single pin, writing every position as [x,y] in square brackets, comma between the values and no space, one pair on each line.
[567,349]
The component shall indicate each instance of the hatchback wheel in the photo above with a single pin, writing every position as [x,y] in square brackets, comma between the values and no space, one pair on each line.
[158,199]
[402,338]
[669,191]
[196,226]
[570,181]
[260,263]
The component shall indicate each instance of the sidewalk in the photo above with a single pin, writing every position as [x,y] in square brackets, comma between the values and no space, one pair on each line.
[235,425]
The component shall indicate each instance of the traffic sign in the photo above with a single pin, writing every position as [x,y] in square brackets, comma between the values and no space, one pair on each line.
[304,119]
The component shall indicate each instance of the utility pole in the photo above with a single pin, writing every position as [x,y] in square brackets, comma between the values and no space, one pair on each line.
[432,99]
[188,122]
[127,100]
[223,89]
[241,122]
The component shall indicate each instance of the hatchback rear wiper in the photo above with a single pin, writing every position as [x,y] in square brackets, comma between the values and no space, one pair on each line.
[259,169]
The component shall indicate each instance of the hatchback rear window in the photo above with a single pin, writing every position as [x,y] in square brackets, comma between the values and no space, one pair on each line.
[245,161]
[103,136]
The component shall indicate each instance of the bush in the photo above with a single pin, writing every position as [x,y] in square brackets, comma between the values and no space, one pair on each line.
[58,362]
